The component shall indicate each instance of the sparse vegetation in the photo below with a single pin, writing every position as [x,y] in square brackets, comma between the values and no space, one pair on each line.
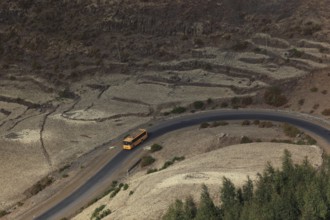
[147,160]
[100,213]
[3,213]
[265,124]
[246,140]
[273,96]
[326,112]
[295,53]
[198,105]
[246,122]
[314,89]
[290,130]
[155,148]
[204,125]
[219,123]
[178,110]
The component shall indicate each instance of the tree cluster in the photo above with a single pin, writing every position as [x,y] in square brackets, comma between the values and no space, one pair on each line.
[293,192]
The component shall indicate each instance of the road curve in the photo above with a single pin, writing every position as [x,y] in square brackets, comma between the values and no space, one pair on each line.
[162,127]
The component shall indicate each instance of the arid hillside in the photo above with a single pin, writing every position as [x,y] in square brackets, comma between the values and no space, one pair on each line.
[75,75]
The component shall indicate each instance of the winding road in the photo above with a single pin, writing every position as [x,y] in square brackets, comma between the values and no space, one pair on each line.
[68,205]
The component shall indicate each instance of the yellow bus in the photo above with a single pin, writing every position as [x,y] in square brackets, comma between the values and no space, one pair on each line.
[135,139]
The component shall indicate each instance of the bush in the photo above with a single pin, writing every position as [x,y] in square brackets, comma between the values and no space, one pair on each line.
[326,112]
[290,130]
[152,170]
[125,187]
[246,140]
[246,122]
[155,147]
[178,110]
[147,160]
[198,105]
[204,125]
[66,93]
[295,53]
[301,101]
[273,96]
[256,122]
[131,193]
[3,213]
[324,92]
[219,123]
[265,124]
[314,89]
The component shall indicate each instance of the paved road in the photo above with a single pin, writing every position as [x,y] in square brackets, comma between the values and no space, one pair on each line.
[160,128]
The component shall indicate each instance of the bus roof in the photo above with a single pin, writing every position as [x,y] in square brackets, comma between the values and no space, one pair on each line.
[134,134]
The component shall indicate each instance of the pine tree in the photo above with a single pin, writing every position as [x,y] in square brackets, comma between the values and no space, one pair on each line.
[207,210]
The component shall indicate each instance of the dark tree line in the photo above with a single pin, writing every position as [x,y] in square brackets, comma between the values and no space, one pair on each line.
[292,193]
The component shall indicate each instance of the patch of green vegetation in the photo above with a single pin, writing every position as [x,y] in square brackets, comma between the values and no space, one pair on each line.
[290,130]
[125,187]
[204,125]
[273,96]
[246,123]
[295,53]
[326,112]
[131,193]
[265,124]
[155,148]
[198,104]
[178,110]
[100,213]
[147,160]
[219,123]
[3,213]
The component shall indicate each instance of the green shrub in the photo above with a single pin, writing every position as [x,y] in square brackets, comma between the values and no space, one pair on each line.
[125,187]
[290,130]
[131,193]
[209,101]
[246,122]
[152,170]
[3,213]
[326,112]
[155,147]
[204,125]
[265,124]
[295,53]
[198,105]
[178,110]
[218,123]
[301,101]
[147,160]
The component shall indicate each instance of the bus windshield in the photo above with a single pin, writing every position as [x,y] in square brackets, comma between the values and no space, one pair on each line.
[127,143]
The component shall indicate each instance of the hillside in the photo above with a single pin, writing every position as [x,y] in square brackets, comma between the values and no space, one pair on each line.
[74,75]
[154,192]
